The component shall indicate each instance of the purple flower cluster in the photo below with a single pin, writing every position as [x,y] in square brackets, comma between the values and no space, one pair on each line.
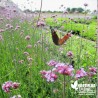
[92,71]
[65,69]
[52,63]
[61,68]
[85,4]
[69,54]
[40,24]
[7,86]
[80,73]
[49,75]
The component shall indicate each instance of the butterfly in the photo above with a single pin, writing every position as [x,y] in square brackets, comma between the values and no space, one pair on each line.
[57,40]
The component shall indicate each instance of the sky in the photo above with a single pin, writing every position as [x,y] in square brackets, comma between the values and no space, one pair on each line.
[55,4]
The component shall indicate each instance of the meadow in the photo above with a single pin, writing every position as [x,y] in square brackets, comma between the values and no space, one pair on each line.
[32,66]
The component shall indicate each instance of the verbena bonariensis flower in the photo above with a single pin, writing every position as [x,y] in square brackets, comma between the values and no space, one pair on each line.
[27,37]
[92,71]
[85,4]
[2,30]
[69,54]
[59,64]
[65,12]
[29,46]
[7,86]
[49,75]
[52,63]
[65,70]
[26,53]
[29,59]
[80,73]
[40,24]
[15,85]
[17,27]
[21,61]
[9,26]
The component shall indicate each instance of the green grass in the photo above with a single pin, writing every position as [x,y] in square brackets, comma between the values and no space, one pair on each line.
[87,28]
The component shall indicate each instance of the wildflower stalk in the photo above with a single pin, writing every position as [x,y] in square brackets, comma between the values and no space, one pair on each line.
[81,42]
[9,94]
[64,87]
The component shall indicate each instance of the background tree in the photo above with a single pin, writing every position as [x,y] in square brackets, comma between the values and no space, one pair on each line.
[80,10]
[68,9]
[73,10]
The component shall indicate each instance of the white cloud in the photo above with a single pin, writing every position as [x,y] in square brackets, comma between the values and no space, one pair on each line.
[55,4]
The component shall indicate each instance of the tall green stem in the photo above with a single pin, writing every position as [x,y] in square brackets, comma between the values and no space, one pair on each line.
[64,87]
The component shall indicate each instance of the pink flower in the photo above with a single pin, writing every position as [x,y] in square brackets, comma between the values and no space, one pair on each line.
[15,85]
[52,63]
[59,64]
[14,10]
[17,27]
[92,72]
[40,23]
[65,12]
[8,25]
[69,54]
[21,61]
[1,18]
[65,70]
[43,72]
[29,59]
[27,37]
[26,53]
[85,4]
[53,16]
[80,73]
[7,86]
[29,46]
[49,75]
[93,69]
[1,30]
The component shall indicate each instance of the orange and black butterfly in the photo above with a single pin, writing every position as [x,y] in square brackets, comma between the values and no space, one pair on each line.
[56,39]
